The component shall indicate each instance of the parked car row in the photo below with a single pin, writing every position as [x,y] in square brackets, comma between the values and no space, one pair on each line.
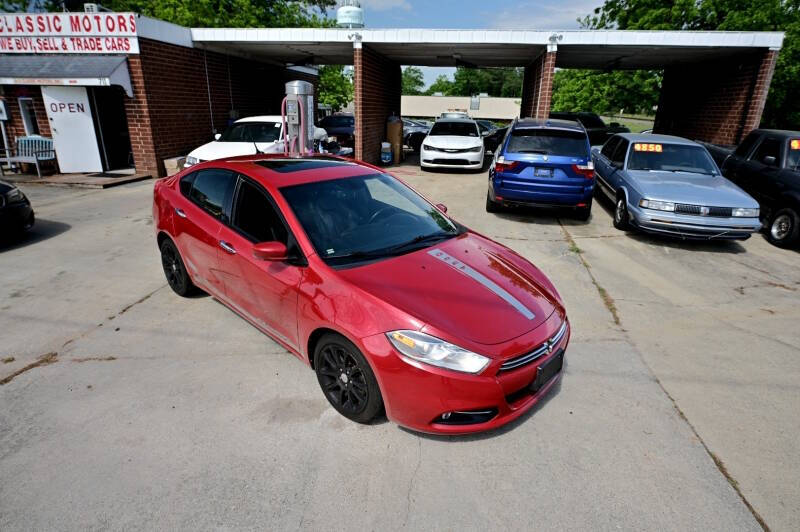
[659,184]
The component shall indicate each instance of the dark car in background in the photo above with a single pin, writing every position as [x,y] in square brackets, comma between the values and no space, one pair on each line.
[543,163]
[767,165]
[16,214]
[414,132]
[599,132]
[342,127]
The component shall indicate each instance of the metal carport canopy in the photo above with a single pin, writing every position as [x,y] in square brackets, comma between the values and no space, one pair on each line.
[600,49]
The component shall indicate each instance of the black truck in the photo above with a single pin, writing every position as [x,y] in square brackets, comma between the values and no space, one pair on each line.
[599,132]
[767,165]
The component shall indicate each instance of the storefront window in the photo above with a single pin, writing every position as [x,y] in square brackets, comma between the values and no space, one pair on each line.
[28,116]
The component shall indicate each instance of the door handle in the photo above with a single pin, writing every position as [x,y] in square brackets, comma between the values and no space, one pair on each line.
[227,247]
[180,212]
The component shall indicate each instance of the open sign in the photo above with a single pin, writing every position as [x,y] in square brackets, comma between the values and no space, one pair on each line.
[63,107]
[655,148]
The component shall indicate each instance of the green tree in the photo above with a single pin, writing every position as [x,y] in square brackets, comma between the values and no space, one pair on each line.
[500,82]
[335,86]
[413,81]
[783,107]
[442,84]
[606,92]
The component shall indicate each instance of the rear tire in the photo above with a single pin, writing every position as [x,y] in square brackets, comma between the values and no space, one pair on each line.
[28,225]
[491,206]
[584,213]
[784,228]
[346,379]
[175,271]
[621,216]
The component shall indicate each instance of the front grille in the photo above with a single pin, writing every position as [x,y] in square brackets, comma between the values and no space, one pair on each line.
[543,349]
[454,162]
[450,150]
[697,210]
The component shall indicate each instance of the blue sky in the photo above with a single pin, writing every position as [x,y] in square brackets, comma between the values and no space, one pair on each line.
[475,14]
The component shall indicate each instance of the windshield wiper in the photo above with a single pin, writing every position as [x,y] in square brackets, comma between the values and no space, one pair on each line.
[399,249]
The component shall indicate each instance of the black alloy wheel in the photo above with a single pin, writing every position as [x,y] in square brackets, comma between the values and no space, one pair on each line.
[174,270]
[346,379]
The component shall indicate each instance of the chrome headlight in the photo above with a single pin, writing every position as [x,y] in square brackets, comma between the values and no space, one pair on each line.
[428,148]
[657,205]
[14,195]
[431,350]
[476,149]
[191,161]
[745,213]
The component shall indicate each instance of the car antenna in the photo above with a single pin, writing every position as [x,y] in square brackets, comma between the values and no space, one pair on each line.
[258,152]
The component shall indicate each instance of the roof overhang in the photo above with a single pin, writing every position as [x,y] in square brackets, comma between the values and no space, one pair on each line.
[72,70]
[599,49]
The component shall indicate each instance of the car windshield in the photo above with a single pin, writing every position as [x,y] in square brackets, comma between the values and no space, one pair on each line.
[671,158]
[338,121]
[456,129]
[252,132]
[793,158]
[590,120]
[549,142]
[366,218]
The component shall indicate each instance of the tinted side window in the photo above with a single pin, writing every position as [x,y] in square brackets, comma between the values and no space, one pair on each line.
[747,144]
[768,148]
[620,152]
[186,184]
[255,216]
[610,145]
[212,191]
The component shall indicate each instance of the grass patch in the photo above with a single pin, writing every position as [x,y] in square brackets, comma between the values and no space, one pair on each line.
[8,360]
[44,360]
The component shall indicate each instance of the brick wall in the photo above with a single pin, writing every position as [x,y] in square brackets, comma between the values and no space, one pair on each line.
[717,102]
[14,125]
[172,98]
[378,86]
[537,87]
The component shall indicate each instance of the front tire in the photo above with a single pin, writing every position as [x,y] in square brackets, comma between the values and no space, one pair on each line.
[784,228]
[621,216]
[175,271]
[346,379]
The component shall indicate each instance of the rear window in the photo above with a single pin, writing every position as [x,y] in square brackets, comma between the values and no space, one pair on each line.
[549,142]
[793,157]
[456,129]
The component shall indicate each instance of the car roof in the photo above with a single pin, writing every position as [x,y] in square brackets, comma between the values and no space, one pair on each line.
[279,170]
[455,120]
[559,123]
[650,138]
[263,118]
[786,133]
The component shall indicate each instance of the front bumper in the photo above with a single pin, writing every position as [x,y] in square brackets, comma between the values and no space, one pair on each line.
[16,215]
[416,394]
[439,159]
[693,227]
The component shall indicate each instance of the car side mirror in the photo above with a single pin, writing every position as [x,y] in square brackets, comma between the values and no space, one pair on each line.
[271,251]
[769,160]
[217,136]
[442,207]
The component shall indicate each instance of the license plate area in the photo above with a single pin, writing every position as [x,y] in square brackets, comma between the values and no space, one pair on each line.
[547,371]
[543,172]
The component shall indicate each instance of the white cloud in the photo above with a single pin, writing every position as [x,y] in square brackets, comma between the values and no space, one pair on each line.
[544,15]
[384,5]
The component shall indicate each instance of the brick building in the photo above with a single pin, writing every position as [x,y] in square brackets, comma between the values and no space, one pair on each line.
[162,99]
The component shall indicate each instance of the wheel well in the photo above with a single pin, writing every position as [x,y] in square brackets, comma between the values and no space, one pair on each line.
[161,237]
[313,339]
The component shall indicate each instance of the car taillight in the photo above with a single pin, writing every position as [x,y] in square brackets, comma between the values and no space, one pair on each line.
[505,167]
[586,170]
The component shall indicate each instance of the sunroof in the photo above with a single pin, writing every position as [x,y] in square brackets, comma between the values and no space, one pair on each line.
[286,166]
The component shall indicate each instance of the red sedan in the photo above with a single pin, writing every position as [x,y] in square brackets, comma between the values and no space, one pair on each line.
[393,304]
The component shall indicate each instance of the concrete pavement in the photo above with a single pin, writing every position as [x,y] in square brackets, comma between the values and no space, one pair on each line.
[161,412]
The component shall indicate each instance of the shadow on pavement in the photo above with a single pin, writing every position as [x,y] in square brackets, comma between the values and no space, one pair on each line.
[41,231]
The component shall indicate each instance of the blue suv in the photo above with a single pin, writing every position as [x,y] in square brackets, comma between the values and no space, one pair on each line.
[543,163]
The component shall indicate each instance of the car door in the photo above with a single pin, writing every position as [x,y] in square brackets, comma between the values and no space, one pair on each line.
[616,177]
[200,212]
[603,162]
[758,175]
[265,292]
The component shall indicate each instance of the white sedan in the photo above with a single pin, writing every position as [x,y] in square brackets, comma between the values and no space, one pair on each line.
[243,137]
[453,143]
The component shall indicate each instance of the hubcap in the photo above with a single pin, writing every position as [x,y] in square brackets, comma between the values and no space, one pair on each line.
[781,227]
[342,379]
[171,267]
[620,210]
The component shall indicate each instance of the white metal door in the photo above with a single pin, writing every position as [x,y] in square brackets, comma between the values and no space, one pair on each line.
[72,128]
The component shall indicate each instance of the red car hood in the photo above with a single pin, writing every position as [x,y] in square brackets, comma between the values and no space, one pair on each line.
[466,287]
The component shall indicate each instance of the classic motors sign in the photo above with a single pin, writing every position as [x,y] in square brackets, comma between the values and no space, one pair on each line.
[68,33]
